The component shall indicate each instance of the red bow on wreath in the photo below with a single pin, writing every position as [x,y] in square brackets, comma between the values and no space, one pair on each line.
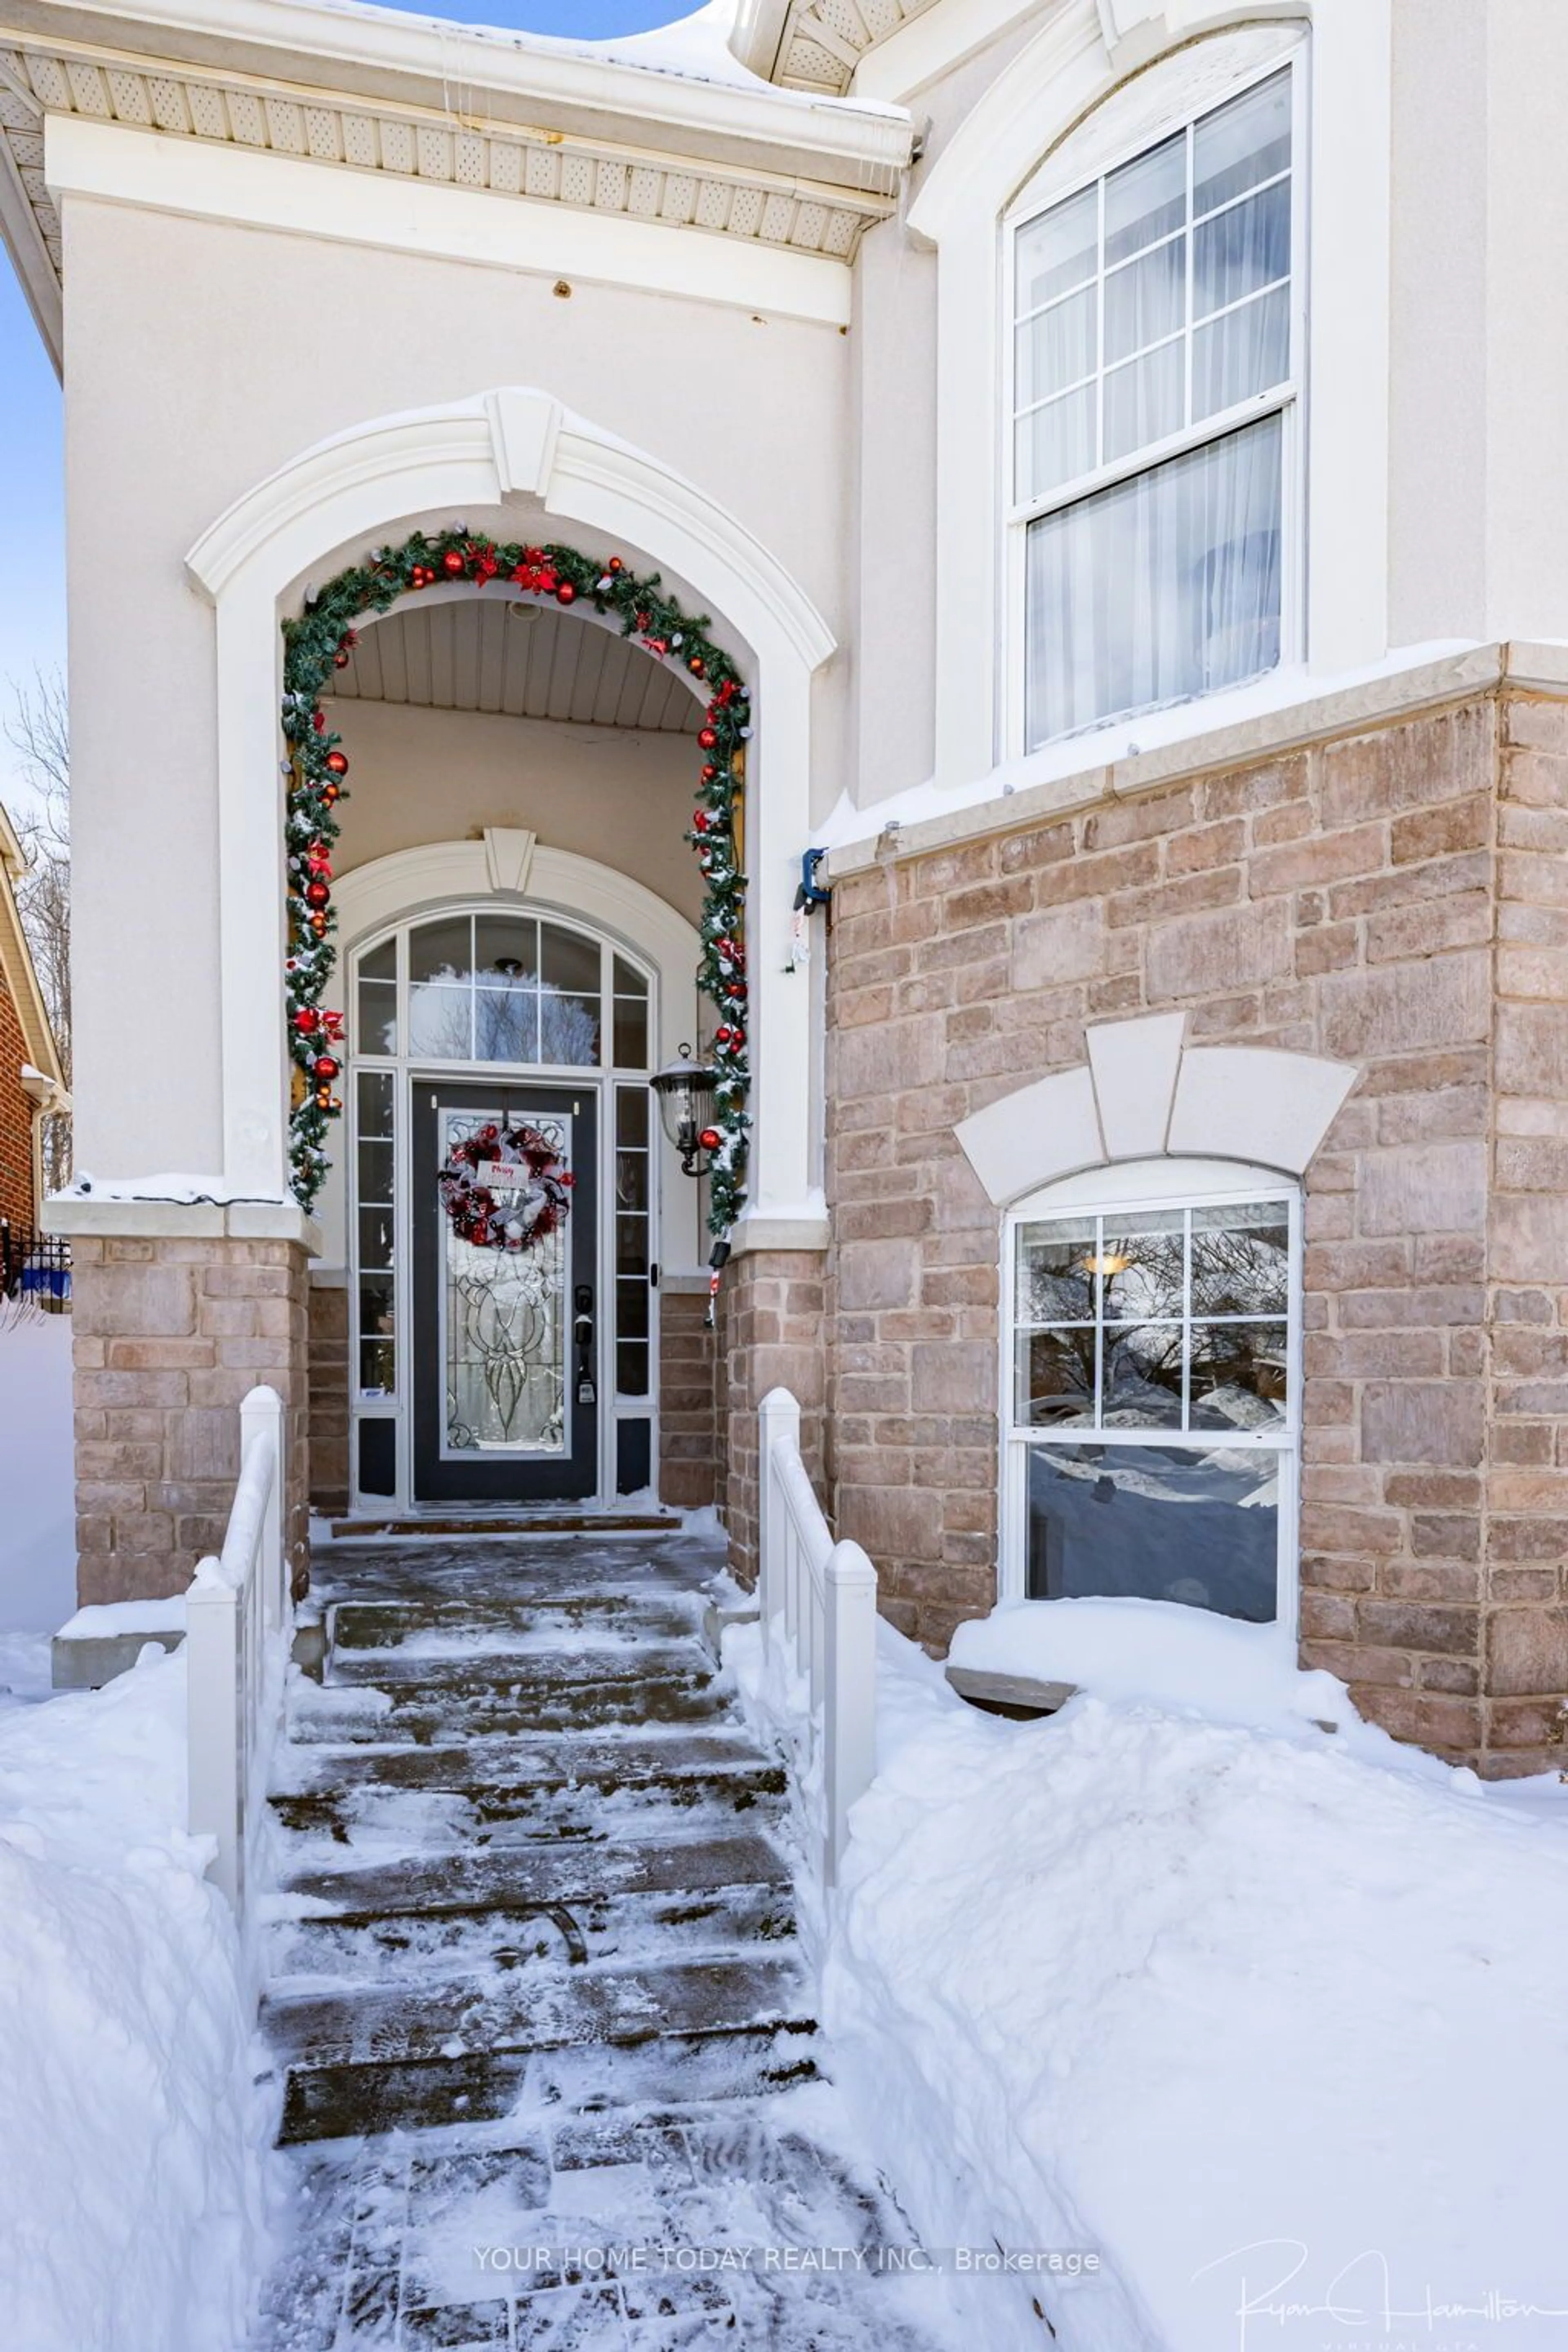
[525,1202]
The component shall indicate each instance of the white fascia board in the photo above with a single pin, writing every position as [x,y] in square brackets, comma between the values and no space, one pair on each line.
[373,53]
[118,164]
[932,45]
[20,235]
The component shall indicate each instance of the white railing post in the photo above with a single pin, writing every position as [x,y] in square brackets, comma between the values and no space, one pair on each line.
[778,1424]
[260,1418]
[849,1710]
[215,1762]
[236,1619]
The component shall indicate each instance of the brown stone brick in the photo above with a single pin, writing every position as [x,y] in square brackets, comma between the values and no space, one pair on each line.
[1363,1355]
[1209,954]
[1405,1008]
[1323,858]
[1461,921]
[1527,1651]
[1450,1727]
[1438,1187]
[1062,944]
[1416,1420]
[1430,1579]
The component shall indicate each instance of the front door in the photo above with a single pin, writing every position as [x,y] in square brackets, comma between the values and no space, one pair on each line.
[505,1359]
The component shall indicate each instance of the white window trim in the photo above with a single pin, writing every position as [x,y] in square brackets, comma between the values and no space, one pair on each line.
[1053,83]
[1284,400]
[1158,1183]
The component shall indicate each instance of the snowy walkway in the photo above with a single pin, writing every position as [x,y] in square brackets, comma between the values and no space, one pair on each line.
[552,2077]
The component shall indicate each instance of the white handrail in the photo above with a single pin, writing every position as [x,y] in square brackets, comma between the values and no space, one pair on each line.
[820,1598]
[237,1614]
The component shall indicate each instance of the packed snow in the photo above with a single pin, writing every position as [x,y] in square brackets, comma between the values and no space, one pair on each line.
[38,1494]
[1242,2030]
[130,2131]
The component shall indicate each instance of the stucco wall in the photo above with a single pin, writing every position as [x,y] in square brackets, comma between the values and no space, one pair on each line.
[199,358]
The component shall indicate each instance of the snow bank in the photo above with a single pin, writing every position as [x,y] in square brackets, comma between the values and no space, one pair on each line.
[38,1495]
[130,2131]
[1269,2018]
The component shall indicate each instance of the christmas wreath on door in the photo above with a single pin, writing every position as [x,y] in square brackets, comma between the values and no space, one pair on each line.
[505,1188]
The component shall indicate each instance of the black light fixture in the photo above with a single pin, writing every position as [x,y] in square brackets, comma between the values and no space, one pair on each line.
[685,1088]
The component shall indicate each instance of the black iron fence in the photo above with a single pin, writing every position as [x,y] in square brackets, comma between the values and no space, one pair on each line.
[36,1267]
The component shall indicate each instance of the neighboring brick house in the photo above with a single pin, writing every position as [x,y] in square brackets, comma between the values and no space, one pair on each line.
[32,1083]
[1117,441]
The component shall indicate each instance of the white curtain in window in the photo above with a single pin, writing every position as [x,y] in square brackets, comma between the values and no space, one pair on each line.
[1163,586]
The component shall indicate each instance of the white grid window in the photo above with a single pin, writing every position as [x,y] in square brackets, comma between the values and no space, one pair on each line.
[1153,1411]
[1154,350]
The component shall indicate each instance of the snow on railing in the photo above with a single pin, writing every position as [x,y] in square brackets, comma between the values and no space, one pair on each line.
[236,1634]
[817,1599]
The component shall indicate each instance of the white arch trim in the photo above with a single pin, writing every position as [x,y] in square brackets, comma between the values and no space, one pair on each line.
[360,485]
[1080,58]
[1146,1094]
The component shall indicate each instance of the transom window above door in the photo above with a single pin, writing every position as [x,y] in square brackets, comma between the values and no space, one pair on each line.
[1153,348]
[492,988]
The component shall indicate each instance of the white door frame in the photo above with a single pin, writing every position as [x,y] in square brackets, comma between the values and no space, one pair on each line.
[344,495]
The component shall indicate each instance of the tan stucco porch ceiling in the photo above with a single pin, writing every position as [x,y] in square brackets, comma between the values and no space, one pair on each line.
[526,660]
[719,149]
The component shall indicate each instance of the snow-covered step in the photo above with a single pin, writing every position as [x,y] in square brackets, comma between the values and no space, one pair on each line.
[462,1627]
[498,1813]
[540,1874]
[545,1700]
[333,2103]
[435,1942]
[610,1761]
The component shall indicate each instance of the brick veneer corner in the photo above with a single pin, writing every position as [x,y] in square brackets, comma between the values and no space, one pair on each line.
[169,1337]
[688,1407]
[772,1333]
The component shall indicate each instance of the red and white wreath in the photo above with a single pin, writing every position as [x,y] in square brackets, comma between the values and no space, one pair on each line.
[505,1188]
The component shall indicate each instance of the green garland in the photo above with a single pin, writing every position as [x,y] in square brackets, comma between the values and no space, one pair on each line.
[321,639]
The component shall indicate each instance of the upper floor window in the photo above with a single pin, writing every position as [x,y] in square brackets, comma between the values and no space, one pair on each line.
[1154,390]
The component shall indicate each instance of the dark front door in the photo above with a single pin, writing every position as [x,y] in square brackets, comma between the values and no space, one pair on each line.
[505,1359]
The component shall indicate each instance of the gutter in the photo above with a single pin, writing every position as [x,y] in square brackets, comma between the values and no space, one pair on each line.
[514,78]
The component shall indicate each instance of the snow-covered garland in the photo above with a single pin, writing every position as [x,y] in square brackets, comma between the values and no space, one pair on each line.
[528,1166]
[323,639]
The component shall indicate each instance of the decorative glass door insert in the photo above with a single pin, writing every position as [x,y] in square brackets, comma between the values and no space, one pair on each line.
[506,1316]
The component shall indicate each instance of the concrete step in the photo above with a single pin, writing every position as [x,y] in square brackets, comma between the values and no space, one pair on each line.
[544,1664]
[329,2103]
[548,1567]
[551,2008]
[495,1812]
[614,1761]
[562,1873]
[542,1522]
[353,1949]
[455,1628]
[563,1702]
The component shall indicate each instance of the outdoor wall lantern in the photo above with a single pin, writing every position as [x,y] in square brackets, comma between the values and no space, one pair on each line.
[685,1088]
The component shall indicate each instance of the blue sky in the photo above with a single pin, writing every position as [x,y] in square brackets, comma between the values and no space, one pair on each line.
[32,580]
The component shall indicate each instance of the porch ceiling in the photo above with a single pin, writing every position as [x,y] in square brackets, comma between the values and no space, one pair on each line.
[528,661]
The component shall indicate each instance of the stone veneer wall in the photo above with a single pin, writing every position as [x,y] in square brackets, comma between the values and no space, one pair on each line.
[170,1334]
[1399,900]
[687,1411]
[770,1333]
[328,1304]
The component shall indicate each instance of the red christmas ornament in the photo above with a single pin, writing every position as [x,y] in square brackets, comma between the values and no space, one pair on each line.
[707,738]
[338,762]
[696,666]
[614,564]
[710,1139]
[332,794]
[453,563]
[319,925]
[566,594]
[700,820]
[317,895]
[339,659]
[326,1068]
[708,772]
[735,989]
[722,1036]
[306,1020]
[319,722]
